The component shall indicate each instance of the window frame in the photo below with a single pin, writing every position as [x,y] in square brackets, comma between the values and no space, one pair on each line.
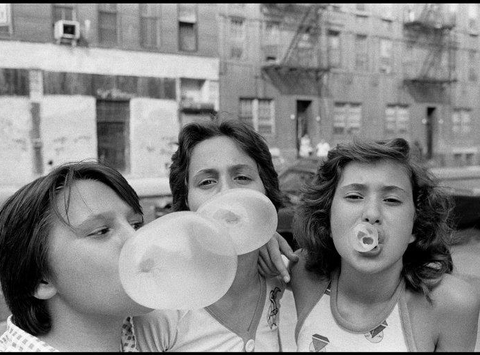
[253,116]
[192,22]
[150,12]
[111,9]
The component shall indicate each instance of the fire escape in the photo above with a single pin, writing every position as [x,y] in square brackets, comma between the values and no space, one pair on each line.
[301,69]
[431,34]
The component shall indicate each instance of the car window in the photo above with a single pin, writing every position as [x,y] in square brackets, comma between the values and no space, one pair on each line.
[292,180]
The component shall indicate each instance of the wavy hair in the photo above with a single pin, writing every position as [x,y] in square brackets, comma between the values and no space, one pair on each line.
[425,260]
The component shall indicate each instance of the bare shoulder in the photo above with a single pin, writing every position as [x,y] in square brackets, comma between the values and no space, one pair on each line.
[456,307]
[453,294]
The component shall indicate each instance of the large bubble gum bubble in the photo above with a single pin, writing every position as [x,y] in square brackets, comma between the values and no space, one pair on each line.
[248,215]
[178,261]
[364,237]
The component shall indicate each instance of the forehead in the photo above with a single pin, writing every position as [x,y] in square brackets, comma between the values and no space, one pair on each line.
[385,172]
[85,197]
[217,153]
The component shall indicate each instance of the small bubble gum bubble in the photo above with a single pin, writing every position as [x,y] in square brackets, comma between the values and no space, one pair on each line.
[364,237]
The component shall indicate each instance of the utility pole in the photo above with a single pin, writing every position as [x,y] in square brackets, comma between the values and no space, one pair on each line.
[36,94]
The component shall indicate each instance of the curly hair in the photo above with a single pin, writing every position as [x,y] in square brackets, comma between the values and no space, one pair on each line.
[26,220]
[425,260]
[249,141]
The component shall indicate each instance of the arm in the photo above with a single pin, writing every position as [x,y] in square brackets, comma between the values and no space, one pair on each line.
[271,262]
[457,315]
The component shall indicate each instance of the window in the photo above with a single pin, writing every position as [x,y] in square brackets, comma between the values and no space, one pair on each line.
[5,19]
[107,23]
[397,121]
[361,53]
[63,12]
[112,132]
[361,21]
[347,118]
[385,55]
[472,17]
[361,7]
[258,113]
[334,50]
[472,65]
[187,27]
[237,38]
[271,41]
[461,122]
[150,25]
[386,11]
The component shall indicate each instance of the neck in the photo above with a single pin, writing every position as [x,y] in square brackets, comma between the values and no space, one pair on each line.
[85,333]
[247,279]
[369,288]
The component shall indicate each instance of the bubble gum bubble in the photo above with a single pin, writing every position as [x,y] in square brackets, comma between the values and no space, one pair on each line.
[248,215]
[364,237]
[178,261]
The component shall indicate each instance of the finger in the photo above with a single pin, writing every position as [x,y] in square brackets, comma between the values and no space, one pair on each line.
[265,270]
[285,248]
[276,258]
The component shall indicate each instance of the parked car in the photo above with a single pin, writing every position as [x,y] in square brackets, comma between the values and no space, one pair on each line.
[462,183]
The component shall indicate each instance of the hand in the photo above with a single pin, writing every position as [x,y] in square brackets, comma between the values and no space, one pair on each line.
[271,261]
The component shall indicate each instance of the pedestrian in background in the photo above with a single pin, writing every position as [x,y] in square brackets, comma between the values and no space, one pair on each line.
[397,296]
[322,149]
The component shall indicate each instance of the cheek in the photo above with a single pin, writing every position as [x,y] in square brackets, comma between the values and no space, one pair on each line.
[195,199]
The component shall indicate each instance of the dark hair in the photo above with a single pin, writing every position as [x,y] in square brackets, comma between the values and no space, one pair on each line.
[425,260]
[25,223]
[252,143]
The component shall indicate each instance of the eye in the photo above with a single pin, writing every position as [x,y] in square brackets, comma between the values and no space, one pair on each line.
[100,232]
[137,225]
[393,200]
[206,182]
[243,178]
[353,196]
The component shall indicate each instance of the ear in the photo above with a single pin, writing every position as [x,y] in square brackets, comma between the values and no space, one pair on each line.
[45,290]
[412,238]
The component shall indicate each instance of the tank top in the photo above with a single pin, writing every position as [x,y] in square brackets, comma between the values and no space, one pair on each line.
[321,328]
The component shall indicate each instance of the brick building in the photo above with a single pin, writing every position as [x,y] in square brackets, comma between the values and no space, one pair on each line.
[334,71]
[107,81]
[117,81]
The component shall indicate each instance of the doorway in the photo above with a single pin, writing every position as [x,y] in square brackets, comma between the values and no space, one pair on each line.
[429,131]
[303,117]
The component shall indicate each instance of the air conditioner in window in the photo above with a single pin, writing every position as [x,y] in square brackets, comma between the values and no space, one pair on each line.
[66,31]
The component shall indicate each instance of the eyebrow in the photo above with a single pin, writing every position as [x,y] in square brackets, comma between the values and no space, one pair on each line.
[363,187]
[233,168]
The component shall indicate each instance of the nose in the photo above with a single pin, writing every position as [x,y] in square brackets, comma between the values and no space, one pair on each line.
[127,231]
[371,212]
[226,184]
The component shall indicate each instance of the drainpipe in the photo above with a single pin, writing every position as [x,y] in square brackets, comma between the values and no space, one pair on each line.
[36,94]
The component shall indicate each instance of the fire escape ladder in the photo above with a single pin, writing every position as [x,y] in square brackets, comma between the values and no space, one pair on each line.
[300,70]
[432,33]
[308,26]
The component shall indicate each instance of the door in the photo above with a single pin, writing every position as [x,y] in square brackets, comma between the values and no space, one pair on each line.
[303,117]
[113,118]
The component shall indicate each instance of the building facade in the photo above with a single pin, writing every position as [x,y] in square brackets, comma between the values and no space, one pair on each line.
[335,71]
[115,82]
[107,81]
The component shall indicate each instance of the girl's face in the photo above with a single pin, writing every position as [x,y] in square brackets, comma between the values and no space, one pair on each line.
[379,193]
[218,164]
[84,258]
